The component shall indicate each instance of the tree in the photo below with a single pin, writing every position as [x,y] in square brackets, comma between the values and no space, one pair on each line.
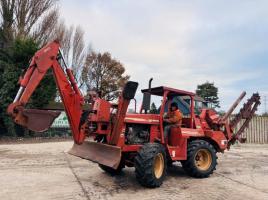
[104,74]
[73,47]
[29,18]
[153,109]
[7,19]
[25,24]
[26,19]
[14,64]
[209,92]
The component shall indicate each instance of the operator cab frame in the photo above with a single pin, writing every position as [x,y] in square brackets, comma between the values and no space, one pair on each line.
[168,94]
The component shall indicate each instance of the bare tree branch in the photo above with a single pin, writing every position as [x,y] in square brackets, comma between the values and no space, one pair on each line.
[73,47]
[30,18]
[44,31]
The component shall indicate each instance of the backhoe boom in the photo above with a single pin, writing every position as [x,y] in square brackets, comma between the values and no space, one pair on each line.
[40,120]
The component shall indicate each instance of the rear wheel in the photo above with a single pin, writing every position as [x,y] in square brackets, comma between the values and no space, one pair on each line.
[201,159]
[150,165]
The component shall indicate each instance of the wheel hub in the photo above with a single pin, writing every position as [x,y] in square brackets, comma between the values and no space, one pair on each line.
[203,159]
[158,165]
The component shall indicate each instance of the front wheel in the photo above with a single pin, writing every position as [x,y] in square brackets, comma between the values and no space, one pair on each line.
[150,165]
[201,159]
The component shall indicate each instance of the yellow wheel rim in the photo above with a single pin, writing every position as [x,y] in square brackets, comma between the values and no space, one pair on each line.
[203,159]
[158,165]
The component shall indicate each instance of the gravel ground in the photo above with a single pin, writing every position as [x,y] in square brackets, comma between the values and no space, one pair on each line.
[46,171]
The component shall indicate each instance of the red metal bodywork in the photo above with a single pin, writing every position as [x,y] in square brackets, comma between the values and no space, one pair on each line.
[195,127]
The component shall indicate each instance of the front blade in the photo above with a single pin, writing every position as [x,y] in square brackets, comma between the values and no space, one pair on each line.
[104,154]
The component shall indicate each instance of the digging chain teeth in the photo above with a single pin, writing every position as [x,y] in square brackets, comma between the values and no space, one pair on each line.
[247,107]
[246,112]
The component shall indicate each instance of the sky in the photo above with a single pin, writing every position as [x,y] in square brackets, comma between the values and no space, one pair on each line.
[181,43]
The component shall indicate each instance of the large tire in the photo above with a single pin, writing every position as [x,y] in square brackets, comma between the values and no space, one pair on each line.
[111,170]
[201,159]
[150,165]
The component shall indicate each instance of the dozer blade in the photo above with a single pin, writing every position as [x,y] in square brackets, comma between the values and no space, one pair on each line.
[104,154]
[39,120]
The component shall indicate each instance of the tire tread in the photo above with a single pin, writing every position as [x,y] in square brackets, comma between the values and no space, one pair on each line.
[144,164]
[189,166]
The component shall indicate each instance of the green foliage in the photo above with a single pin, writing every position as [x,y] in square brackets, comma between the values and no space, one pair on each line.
[153,109]
[45,92]
[221,112]
[18,23]
[7,92]
[209,92]
[13,63]
[23,50]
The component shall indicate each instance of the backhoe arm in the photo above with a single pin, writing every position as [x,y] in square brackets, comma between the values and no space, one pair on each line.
[40,120]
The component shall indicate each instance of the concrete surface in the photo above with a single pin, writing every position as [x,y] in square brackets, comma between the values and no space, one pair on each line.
[45,171]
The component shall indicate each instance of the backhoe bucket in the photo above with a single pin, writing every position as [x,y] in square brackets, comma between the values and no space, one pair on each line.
[33,119]
[104,154]
[38,120]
